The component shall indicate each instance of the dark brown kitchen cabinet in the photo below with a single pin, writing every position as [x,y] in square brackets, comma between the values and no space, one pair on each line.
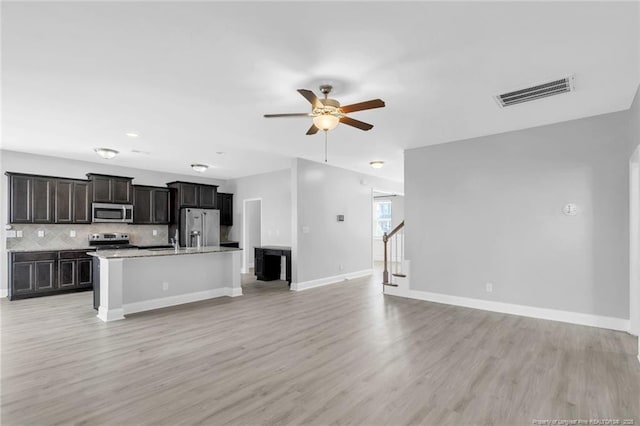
[43,273]
[42,199]
[111,189]
[31,198]
[188,193]
[150,205]
[81,202]
[72,201]
[20,193]
[225,205]
[194,195]
[207,197]
[85,272]
[67,272]
[32,273]
[75,269]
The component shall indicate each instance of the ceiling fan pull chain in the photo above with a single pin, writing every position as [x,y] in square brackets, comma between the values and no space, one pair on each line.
[325,146]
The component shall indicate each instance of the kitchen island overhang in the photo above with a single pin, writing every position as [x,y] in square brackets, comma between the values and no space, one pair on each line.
[130,281]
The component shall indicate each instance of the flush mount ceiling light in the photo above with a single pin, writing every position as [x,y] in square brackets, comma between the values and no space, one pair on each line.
[200,168]
[376,164]
[106,153]
[132,134]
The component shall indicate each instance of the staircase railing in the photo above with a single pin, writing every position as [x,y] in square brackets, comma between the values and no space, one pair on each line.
[393,254]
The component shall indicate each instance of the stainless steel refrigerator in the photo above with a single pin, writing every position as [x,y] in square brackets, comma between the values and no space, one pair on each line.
[199,227]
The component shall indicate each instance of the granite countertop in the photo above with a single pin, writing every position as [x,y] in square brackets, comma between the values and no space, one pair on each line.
[131,253]
[24,250]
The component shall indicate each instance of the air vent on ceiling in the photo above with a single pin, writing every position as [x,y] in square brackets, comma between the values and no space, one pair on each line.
[539,91]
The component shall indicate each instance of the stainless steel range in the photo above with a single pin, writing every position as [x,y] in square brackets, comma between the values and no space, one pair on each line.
[110,241]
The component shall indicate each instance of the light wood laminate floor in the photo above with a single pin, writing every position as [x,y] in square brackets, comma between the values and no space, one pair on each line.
[341,354]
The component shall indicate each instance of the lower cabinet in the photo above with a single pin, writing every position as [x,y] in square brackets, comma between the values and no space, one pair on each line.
[33,274]
[230,244]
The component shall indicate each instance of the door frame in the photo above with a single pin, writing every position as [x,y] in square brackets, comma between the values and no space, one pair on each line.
[245,268]
[634,243]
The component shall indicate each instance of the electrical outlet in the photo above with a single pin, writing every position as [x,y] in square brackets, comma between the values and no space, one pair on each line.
[340,267]
[11,234]
[19,233]
[306,230]
[155,232]
[165,286]
[72,233]
[489,287]
[40,233]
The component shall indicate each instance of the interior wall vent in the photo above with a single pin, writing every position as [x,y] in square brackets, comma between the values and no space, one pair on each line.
[539,91]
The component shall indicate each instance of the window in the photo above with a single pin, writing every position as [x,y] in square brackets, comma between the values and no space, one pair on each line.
[382,217]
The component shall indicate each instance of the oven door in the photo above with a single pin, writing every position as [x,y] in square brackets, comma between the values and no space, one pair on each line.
[103,212]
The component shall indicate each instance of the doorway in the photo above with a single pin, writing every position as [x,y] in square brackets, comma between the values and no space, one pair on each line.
[251,232]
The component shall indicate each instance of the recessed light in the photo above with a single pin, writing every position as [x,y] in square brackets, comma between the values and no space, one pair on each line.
[106,153]
[220,153]
[376,164]
[200,168]
[132,134]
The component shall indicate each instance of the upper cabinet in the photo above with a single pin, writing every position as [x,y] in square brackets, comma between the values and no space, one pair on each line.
[31,198]
[194,195]
[225,204]
[20,195]
[111,189]
[72,201]
[150,205]
[45,199]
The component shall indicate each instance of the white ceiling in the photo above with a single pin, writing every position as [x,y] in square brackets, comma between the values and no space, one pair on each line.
[195,78]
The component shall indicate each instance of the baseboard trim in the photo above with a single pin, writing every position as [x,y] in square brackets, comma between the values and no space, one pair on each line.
[110,315]
[4,293]
[320,282]
[611,323]
[165,302]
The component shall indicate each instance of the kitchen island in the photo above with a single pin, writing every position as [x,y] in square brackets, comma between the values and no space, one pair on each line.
[129,281]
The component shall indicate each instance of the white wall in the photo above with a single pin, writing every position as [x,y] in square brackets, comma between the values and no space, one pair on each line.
[489,209]
[332,248]
[252,221]
[274,189]
[11,161]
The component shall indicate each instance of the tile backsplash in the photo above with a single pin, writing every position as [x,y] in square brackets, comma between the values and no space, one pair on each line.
[58,236]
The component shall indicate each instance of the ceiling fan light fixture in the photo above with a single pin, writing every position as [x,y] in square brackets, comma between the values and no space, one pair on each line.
[326,122]
[200,168]
[376,164]
[106,153]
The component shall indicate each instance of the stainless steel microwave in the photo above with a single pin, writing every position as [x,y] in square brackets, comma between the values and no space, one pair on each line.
[104,212]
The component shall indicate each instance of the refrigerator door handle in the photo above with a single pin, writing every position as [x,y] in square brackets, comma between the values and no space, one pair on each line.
[204,229]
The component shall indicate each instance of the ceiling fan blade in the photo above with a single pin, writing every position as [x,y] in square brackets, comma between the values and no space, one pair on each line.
[312,130]
[356,123]
[311,97]
[374,103]
[295,114]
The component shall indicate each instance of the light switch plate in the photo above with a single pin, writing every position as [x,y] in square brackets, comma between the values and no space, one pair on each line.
[11,234]
[41,233]
[19,233]
[306,230]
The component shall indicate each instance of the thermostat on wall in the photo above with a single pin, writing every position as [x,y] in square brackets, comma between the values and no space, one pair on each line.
[570,209]
[340,218]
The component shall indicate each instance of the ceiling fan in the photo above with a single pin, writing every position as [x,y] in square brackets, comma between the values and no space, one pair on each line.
[327,113]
